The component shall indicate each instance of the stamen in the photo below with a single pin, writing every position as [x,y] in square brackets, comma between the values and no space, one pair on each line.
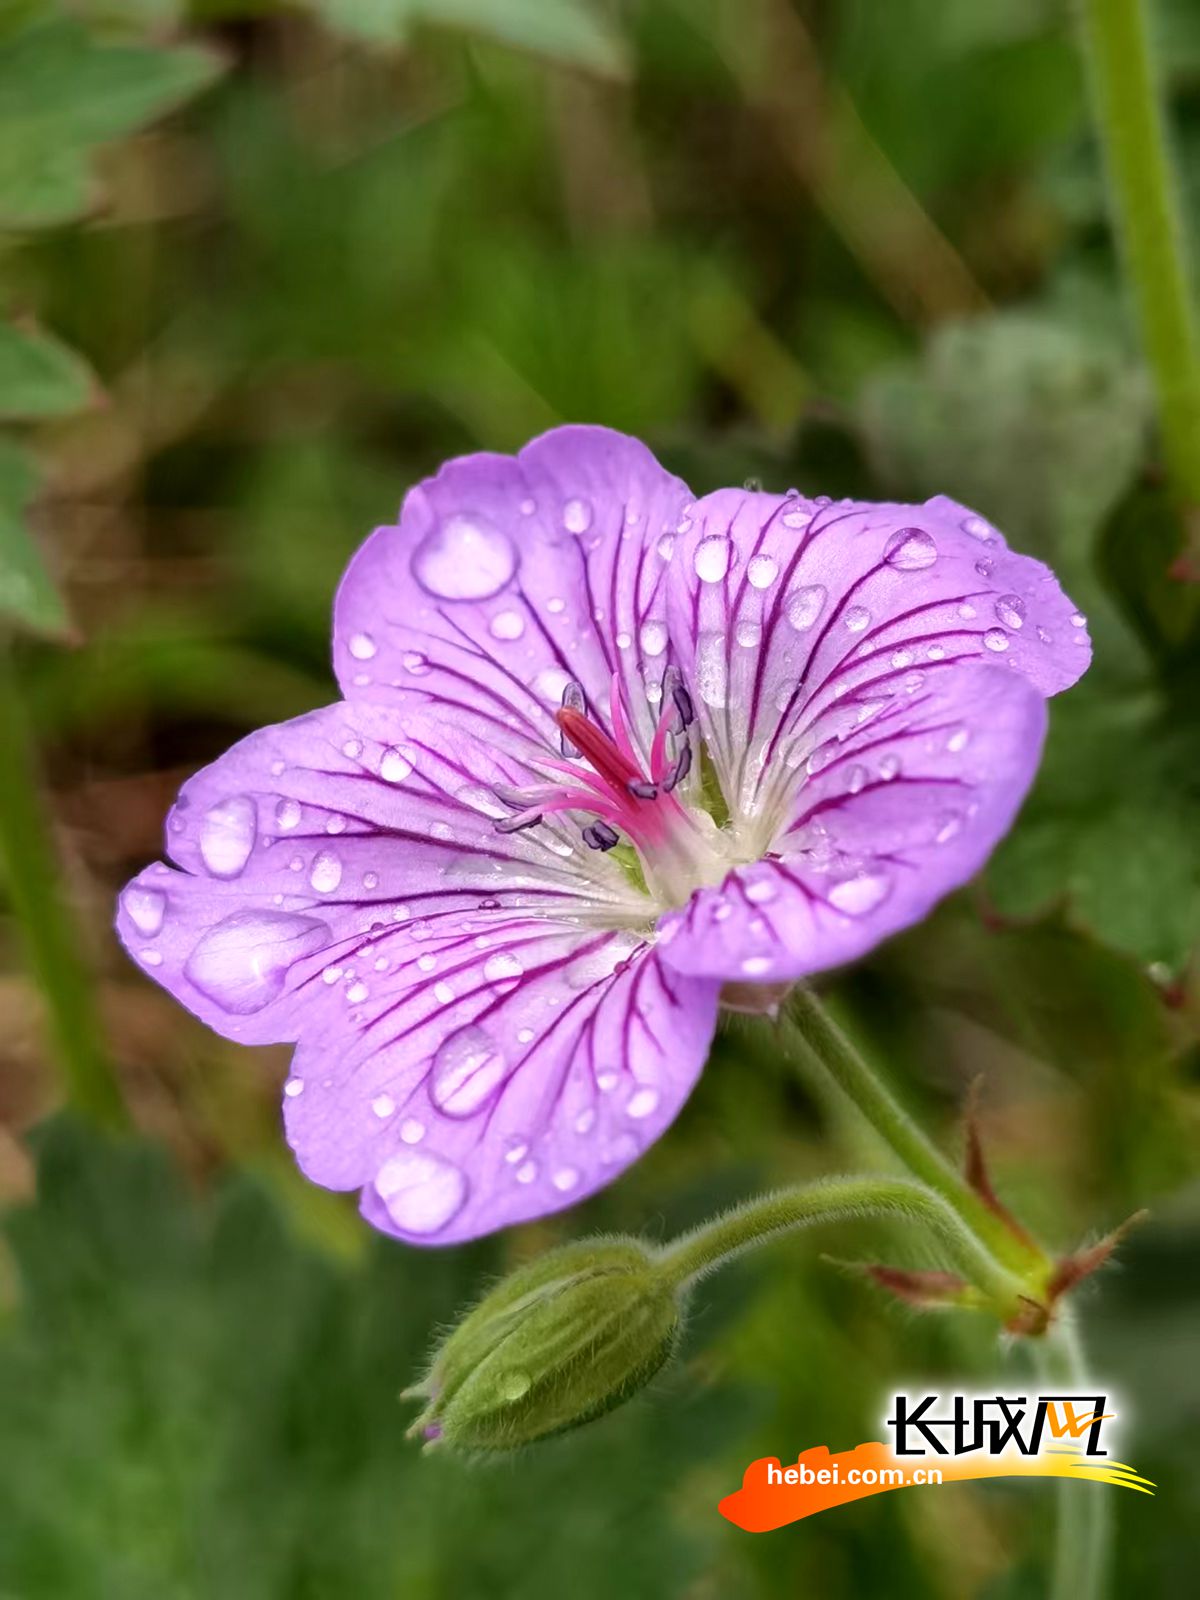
[572,700]
[683,765]
[675,691]
[599,836]
[641,790]
[519,822]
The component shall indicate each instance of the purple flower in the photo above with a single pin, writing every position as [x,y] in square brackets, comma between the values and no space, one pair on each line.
[607,759]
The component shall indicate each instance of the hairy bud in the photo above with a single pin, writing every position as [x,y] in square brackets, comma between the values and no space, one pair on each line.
[557,1343]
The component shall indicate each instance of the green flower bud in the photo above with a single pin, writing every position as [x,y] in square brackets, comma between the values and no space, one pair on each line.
[557,1343]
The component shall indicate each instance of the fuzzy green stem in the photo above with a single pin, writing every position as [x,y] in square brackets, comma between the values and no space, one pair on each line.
[1145,201]
[35,893]
[1083,1529]
[714,1243]
[821,1043]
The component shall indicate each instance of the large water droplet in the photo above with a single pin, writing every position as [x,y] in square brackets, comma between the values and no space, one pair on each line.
[468,1068]
[227,835]
[1010,609]
[804,606]
[242,963]
[856,619]
[653,637]
[326,871]
[144,908]
[712,669]
[748,634]
[421,1192]
[394,766]
[361,646]
[762,571]
[858,895]
[465,558]
[712,559]
[287,815]
[577,516]
[910,550]
[996,639]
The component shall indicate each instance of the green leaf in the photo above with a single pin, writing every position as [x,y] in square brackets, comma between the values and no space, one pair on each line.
[1112,829]
[571,31]
[1022,417]
[39,376]
[61,94]
[204,1406]
[27,593]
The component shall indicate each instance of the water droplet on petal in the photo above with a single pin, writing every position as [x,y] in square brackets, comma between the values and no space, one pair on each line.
[421,1192]
[762,571]
[901,658]
[805,605]
[712,559]
[565,1179]
[517,1151]
[394,766]
[858,895]
[241,964]
[145,908]
[227,836]
[653,637]
[889,768]
[383,1106]
[797,519]
[1078,620]
[412,1131]
[642,1103]
[761,891]
[326,871]
[527,1173]
[287,815]
[978,529]
[856,619]
[1010,609]
[468,1068]
[748,634]
[585,1121]
[416,662]
[577,516]
[910,550]
[361,646]
[507,625]
[958,740]
[293,1087]
[502,968]
[357,993]
[966,611]
[949,825]
[996,639]
[756,966]
[466,558]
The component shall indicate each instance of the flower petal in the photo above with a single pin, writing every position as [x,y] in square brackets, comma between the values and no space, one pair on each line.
[907,808]
[507,577]
[305,839]
[784,610]
[495,1071]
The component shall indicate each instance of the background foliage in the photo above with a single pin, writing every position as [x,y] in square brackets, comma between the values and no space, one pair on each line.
[262,266]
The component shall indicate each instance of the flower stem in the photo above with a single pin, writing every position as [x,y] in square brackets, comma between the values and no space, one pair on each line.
[822,1044]
[714,1243]
[1083,1530]
[34,891]
[1145,199]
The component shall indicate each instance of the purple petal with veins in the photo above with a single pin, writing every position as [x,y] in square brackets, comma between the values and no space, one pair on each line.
[488,895]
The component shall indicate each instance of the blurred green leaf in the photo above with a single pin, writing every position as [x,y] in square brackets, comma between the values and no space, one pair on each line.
[203,1406]
[27,592]
[61,94]
[1023,418]
[572,31]
[39,376]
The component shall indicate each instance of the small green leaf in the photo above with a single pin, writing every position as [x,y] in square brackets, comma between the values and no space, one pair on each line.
[27,593]
[62,94]
[39,376]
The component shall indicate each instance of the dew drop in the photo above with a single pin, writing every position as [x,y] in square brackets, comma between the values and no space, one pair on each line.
[361,646]
[910,550]
[666,546]
[527,1173]
[502,968]
[442,992]
[966,611]
[855,779]
[958,740]
[287,815]
[996,639]
[642,1103]
[805,605]
[653,637]
[227,836]
[889,768]
[383,1106]
[517,1151]
[145,908]
[585,1121]
[901,658]
[762,571]
[465,558]
[507,625]
[712,559]
[421,1192]
[748,634]
[756,966]
[1010,609]
[152,958]
[394,766]
[412,1131]
[1078,620]
[293,1087]
[712,668]
[416,662]
[796,519]
[565,1178]
[577,516]
[241,964]
[326,871]
[856,619]
[760,891]
[556,604]
[468,1068]
[858,895]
